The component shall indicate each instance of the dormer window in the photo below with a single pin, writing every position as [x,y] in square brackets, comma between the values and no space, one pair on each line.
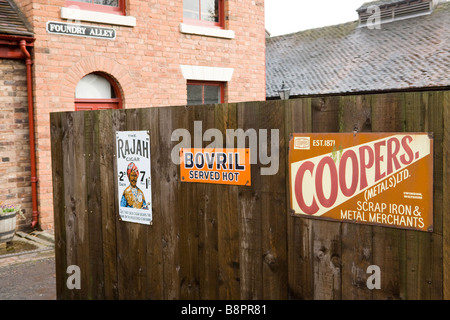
[389,11]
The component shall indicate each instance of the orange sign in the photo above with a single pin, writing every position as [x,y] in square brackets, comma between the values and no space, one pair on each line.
[369,178]
[218,166]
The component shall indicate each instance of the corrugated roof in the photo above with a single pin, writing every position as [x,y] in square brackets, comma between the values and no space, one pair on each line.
[405,54]
[12,22]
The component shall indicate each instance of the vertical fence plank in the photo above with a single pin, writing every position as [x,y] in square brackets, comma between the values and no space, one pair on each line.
[327,266]
[121,238]
[57,132]
[208,204]
[228,280]
[131,239]
[154,271]
[94,204]
[186,212]
[326,235]
[70,222]
[78,208]
[228,277]
[418,245]
[298,119]
[125,268]
[388,250]
[165,196]
[108,203]
[446,192]
[273,198]
[250,214]
[325,114]
[171,118]
[135,244]
[434,240]
[356,239]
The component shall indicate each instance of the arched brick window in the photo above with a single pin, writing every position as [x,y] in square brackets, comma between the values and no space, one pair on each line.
[97,91]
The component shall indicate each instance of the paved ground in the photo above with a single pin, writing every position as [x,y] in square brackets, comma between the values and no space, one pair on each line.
[28,274]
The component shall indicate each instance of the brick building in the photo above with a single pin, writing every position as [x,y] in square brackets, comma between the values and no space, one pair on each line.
[15,167]
[135,54]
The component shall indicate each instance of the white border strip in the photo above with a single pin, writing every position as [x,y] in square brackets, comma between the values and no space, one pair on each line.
[206,73]
[204,31]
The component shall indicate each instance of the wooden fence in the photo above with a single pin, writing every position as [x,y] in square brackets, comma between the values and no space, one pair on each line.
[238,242]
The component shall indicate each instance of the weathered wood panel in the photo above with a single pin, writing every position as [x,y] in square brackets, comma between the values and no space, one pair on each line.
[357,246]
[389,245]
[239,242]
[446,192]
[228,273]
[108,204]
[300,257]
[57,132]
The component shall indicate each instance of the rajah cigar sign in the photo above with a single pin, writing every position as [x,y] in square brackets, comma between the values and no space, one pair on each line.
[134,176]
[369,178]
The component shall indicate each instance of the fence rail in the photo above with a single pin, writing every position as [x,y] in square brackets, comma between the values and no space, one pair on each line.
[239,242]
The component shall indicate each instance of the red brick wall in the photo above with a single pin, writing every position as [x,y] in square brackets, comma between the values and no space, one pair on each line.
[145,60]
[15,174]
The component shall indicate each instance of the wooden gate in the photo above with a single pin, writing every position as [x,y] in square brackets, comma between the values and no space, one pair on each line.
[239,242]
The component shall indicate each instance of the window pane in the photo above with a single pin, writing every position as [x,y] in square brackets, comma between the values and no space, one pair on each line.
[210,10]
[194,95]
[191,9]
[111,3]
[212,94]
[94,86]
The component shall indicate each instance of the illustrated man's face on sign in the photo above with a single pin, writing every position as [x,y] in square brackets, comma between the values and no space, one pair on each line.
[133,174]
[133,178]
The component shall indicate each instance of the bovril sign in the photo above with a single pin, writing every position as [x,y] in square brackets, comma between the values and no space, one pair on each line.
[80,30]
[369,178]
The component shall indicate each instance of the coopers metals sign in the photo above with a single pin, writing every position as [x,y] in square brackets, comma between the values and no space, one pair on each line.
[381,179]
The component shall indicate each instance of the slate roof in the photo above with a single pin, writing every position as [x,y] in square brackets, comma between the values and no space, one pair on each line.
[379,3]
[404,54]
[12,21]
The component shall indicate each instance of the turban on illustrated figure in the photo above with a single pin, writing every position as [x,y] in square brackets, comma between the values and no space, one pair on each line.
[133,197]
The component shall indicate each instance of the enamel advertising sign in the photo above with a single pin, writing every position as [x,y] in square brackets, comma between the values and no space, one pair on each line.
[383,179]
[217,166]
[133,176]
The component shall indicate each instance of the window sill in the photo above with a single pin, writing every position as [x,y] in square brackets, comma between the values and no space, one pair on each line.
[205,31]
[98,17]
[202,73]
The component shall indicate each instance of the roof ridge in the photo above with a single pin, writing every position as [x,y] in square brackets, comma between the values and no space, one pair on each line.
[330,27]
